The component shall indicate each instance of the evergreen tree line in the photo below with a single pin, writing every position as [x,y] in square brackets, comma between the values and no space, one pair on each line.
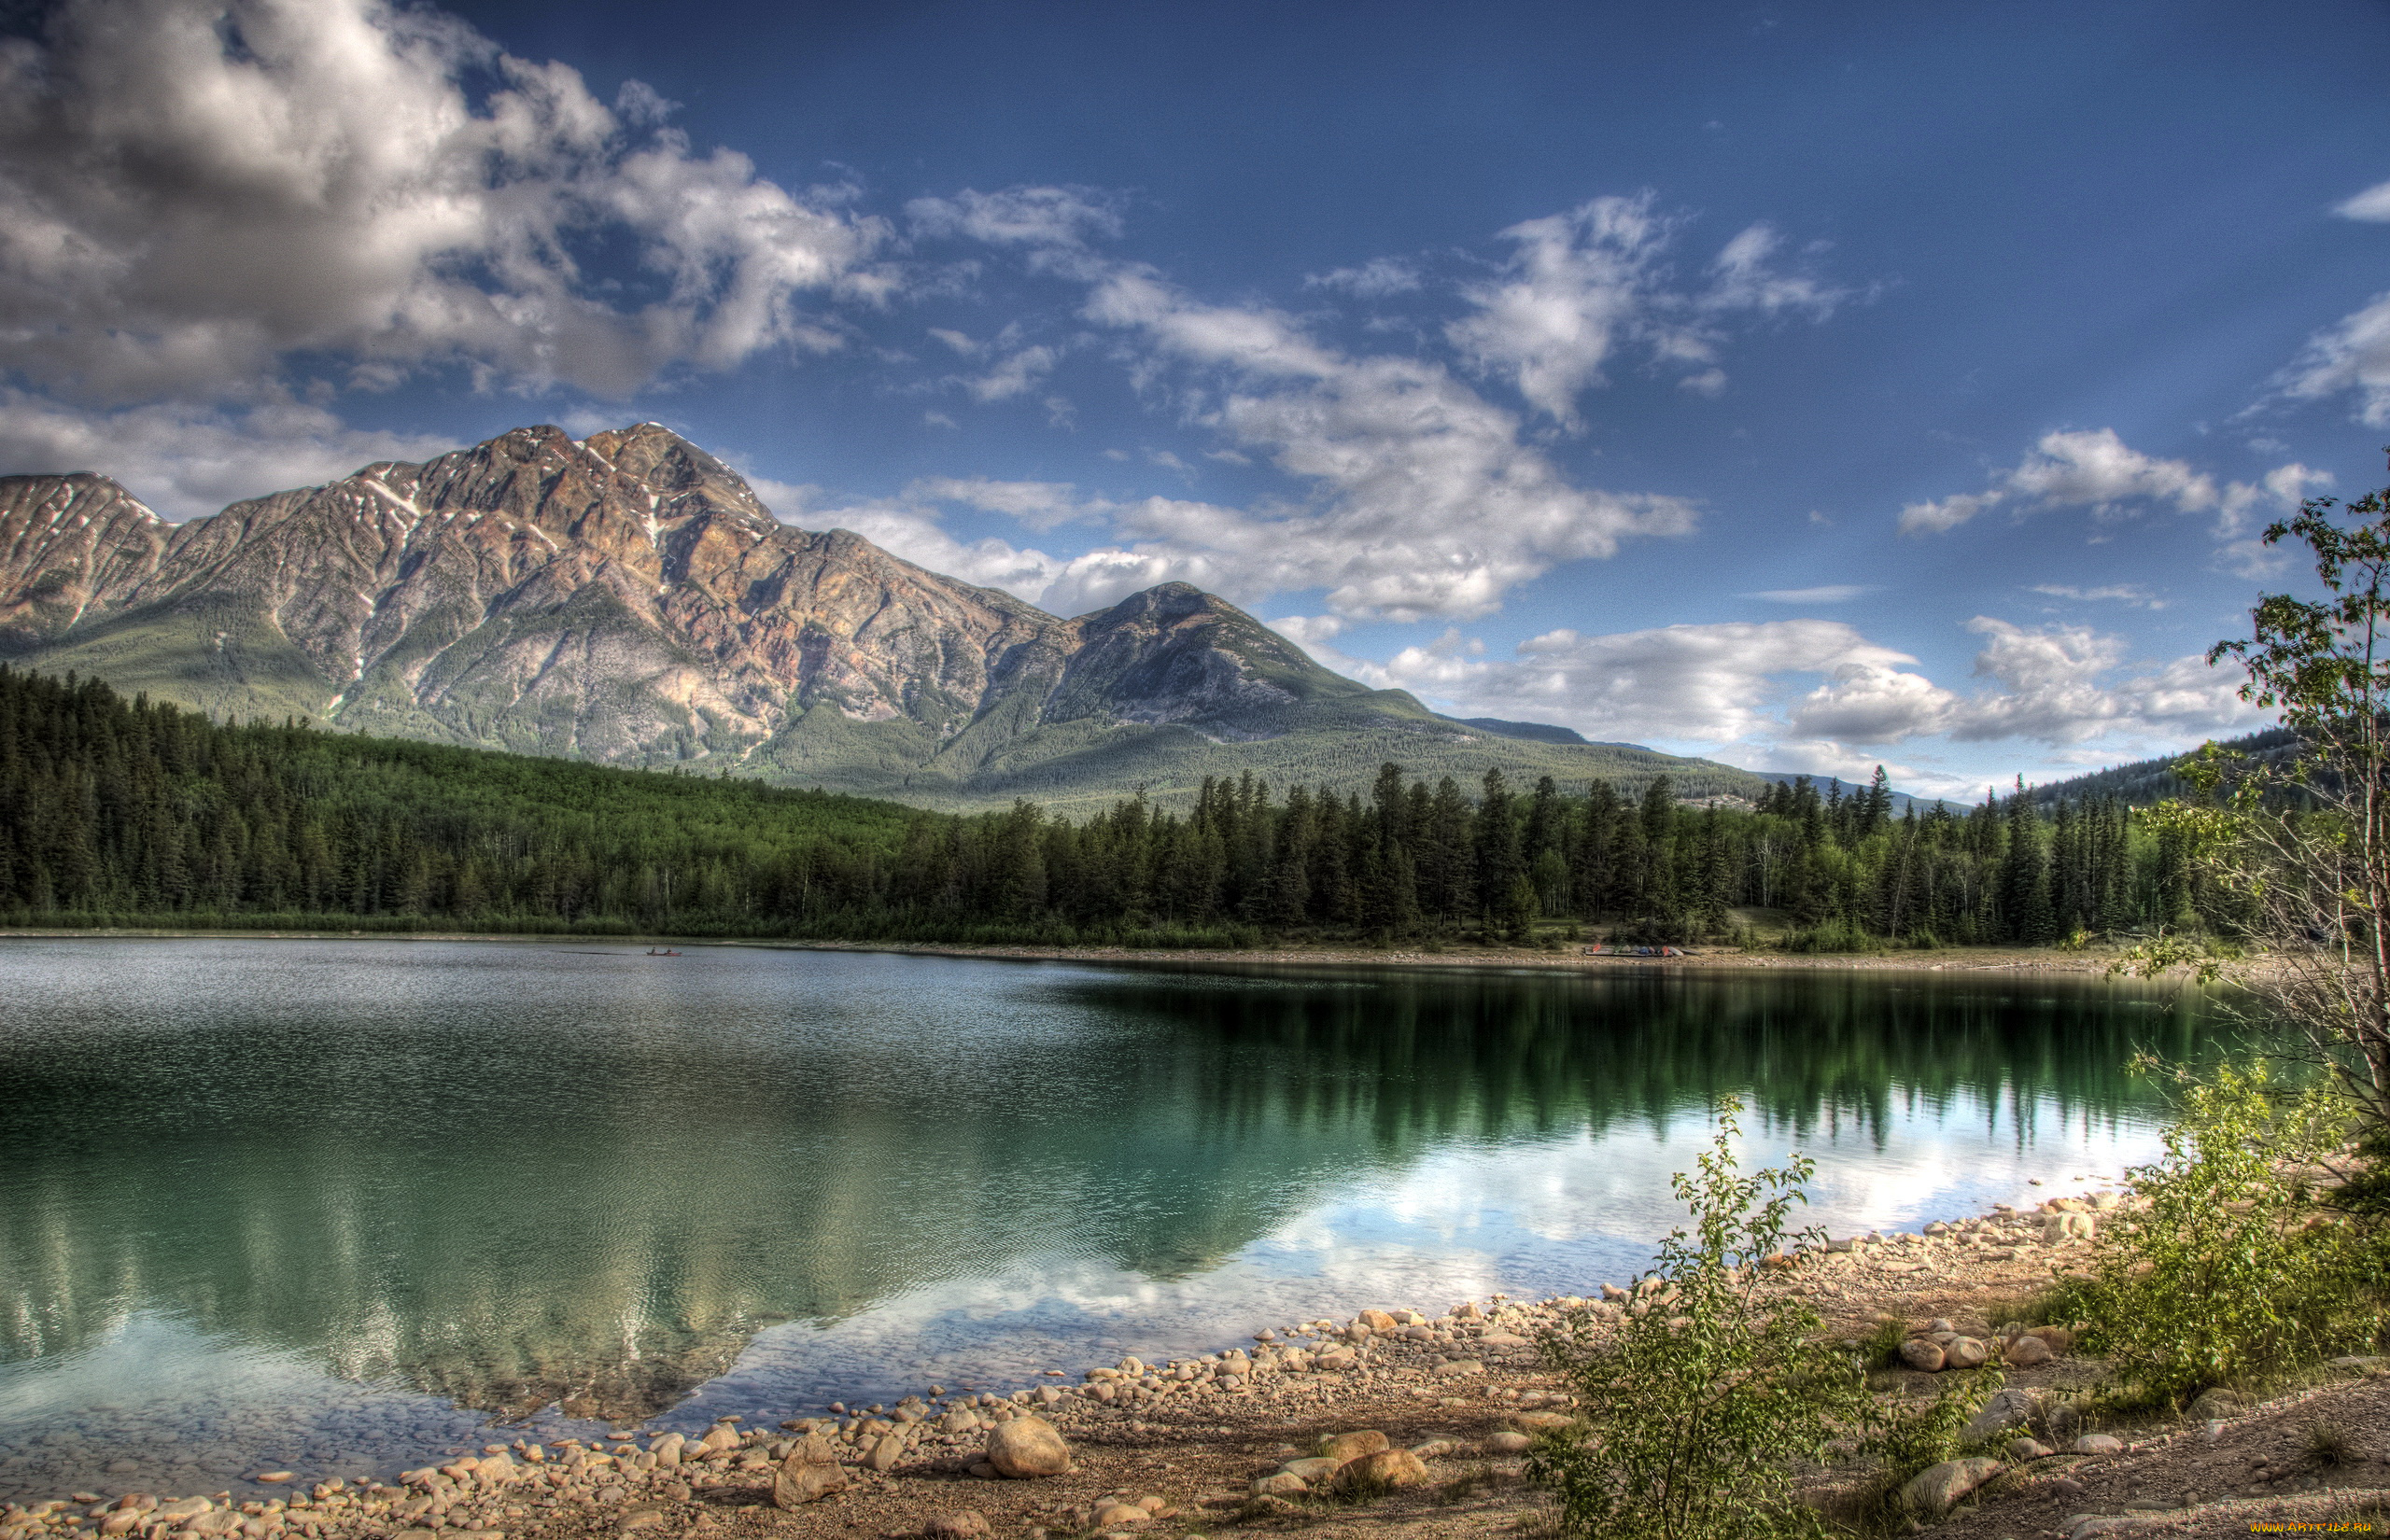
[130,812]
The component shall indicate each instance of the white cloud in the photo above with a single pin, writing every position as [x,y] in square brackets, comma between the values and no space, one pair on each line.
[2094,469]
[2351,354]
[2054,685]
[1040,505]
[1731,685]
[1306,630]
[1697,683]
[1063,218]
[1016,374]
[1424,500]
[907,528]
[1832,593]
[1376,279]
[1581,286]
[190,189]
[185,461]
[2372,204]
[1416,496]
[2131,595]
[1869,703]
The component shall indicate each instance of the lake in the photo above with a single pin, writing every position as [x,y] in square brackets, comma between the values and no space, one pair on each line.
[336,1206]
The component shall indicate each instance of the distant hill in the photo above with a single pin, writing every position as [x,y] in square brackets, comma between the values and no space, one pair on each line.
[2146,781]
[626,600]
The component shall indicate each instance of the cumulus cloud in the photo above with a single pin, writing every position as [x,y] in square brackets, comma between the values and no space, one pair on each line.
[1736,684]
[191,189]
[909,527]
[185,461]
[1582,285]
[1416,496]
[1424,500]
[1697,683]
[1307,630]
[2053,684]
[2095,469]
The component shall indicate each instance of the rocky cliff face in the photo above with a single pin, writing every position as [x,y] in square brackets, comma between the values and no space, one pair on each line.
[624,598]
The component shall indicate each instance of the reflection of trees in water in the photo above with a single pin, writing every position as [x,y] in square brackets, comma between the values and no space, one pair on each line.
[1419,1056]
[604,1219]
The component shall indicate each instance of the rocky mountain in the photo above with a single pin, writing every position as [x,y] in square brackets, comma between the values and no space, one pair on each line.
[625,598]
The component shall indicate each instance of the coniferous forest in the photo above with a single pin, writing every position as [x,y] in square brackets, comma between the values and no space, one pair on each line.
[132,813]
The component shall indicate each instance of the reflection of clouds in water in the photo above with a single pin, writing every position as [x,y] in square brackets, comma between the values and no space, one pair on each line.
[1526,1217]
[1936,1162]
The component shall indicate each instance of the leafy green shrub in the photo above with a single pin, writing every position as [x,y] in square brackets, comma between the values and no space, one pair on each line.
[1835,934]
[1881,1349]
[2234,1272]
[1906,1438]
[1696,1413]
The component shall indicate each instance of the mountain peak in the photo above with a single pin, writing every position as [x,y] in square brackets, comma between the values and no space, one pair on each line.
[623,597]
[1165,602]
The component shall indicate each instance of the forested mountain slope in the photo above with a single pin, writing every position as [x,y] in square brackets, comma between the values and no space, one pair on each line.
[118,812]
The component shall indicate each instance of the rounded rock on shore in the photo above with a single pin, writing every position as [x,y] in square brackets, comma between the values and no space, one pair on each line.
[1936,1488]
[1028,1446]
[1345,1446]
[1919,1353]
[2029,1353]
[1964,1352]
[1384,1468]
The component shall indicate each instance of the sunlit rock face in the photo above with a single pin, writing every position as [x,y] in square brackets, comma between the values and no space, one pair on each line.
[625,598]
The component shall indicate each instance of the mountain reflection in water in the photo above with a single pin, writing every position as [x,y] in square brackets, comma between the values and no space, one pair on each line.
[510,1176]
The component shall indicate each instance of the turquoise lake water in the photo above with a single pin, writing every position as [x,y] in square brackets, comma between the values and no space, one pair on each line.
[336,1206]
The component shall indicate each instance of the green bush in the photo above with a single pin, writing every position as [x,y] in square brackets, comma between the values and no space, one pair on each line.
[1835,934]
[1696,1413]
[2235,1271]
[1906,1438]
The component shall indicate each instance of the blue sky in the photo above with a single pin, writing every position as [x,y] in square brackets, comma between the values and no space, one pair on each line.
[1804,386]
